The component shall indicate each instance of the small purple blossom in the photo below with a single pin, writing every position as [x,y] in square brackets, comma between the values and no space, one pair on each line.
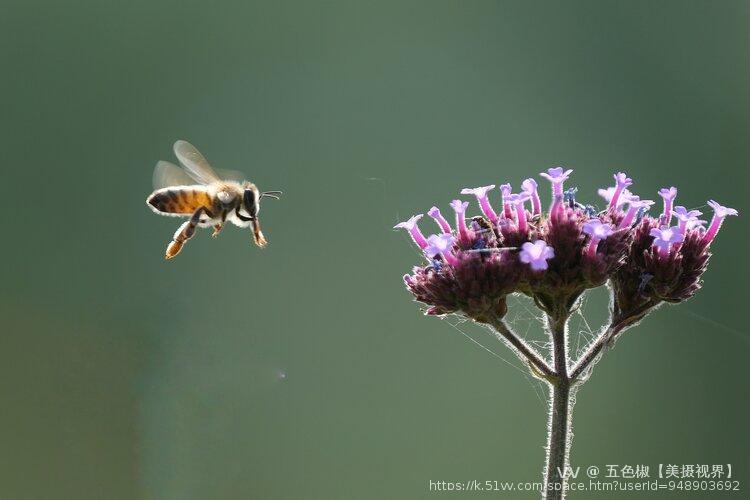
[668,194]
[665,237]
[556,175]
[517,201]
[621,182]
[720,213]
[411,226]
[484,202]
[506,189]
[441,245]
[460,208]
[536,254]
[635,204]
[609,193]
[597,231]
[687,218]
[435,214]
[529,186]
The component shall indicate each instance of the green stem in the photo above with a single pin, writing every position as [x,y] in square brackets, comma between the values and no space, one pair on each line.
[558,440]
[558,446]
[523,350]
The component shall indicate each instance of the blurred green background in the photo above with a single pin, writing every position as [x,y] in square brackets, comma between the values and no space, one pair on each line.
[305,371]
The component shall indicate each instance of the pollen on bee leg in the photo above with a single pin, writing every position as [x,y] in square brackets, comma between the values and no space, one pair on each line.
[173,249]
[260,240]
[258,237]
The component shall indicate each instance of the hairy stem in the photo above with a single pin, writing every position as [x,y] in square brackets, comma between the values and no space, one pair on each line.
[523,350]
[593,353]
[606,339]
[559,338]
[558,446]
[558,440]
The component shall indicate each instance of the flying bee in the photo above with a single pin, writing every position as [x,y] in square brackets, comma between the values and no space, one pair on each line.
[198,192]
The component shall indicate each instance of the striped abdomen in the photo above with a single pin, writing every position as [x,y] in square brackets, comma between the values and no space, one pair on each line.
[183,200]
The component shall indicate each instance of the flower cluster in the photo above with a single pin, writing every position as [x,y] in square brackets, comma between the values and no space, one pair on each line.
[553,257]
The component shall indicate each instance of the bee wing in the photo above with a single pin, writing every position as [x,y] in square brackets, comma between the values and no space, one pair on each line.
[231,175]
[195,163]
[168,174]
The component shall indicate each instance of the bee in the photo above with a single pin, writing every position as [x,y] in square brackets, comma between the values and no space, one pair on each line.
[198,192]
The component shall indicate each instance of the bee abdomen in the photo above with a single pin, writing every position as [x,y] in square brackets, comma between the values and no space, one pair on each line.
[178,200]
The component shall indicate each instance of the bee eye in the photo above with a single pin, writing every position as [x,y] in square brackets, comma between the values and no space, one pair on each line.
[250,202]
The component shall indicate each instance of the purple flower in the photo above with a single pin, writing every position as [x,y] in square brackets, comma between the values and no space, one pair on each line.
[484,202]
[665,237]
[609,193]
[621,182]
[720,213]
[441,245]
[472,265]
[529,186]
[536,254]
[556,176]
[597,231]
[411,226]
[688,218]
[506,189]
[517,201]
[460,208]
[636,204]
[435,214]
[668,194]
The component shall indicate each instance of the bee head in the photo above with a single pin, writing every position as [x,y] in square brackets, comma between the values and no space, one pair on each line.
[252,197]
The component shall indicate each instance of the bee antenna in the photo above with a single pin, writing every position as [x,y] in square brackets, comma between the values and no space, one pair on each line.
[271,194]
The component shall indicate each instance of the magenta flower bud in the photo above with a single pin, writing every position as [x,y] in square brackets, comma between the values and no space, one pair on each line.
[597,231]
[536,254]
[441,245]
[506,189]
[484,202]
[609,193]
[435,214]
[556,176]
[517,201]
[665,237]
[460,208]
[621,182]
[720,213]
[411,226]
[635,205]
[688,219]
[668,194]
[529,186]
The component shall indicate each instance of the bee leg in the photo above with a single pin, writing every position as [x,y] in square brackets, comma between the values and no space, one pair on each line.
[217,229]
[184,233]
[258,237]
